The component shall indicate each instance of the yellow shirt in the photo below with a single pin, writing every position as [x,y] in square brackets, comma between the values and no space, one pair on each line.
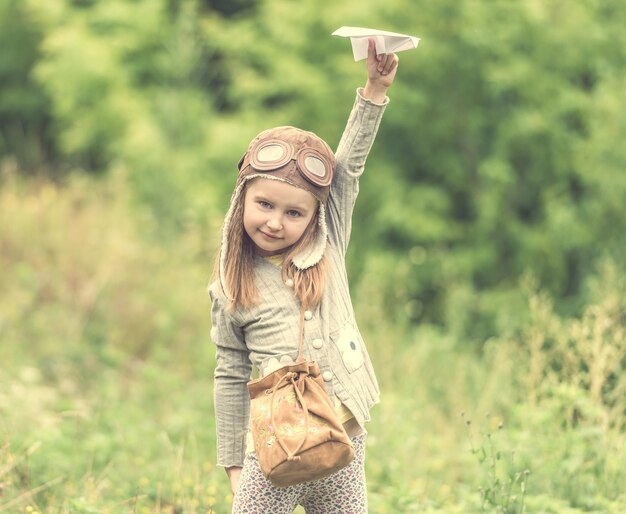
[276,260]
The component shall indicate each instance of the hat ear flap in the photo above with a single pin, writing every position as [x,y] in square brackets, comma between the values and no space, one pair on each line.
[313,254]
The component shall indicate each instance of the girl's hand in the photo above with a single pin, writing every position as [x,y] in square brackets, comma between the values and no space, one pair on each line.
[234,475]
[381,72]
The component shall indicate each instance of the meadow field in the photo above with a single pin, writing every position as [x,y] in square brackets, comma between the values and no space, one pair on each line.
[106,381]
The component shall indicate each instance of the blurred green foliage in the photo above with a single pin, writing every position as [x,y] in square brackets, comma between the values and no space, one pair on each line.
[488,256]
[24,105]
[499,154]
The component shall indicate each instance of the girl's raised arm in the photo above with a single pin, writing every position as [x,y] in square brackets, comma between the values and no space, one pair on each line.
[356,142]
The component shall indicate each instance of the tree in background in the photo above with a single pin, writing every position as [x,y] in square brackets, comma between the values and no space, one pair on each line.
[25,114]
[502,158]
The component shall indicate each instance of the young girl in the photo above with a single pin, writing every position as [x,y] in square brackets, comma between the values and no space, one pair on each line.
[283,248]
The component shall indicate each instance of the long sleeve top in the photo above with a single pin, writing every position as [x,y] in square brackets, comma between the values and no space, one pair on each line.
[268,332]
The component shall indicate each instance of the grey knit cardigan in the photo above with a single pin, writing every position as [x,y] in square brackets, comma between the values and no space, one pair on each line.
[268,333]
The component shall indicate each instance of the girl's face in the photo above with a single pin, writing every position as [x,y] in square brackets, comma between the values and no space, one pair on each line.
[276,214]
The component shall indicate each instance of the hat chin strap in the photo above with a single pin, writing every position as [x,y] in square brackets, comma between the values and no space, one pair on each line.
[313,254]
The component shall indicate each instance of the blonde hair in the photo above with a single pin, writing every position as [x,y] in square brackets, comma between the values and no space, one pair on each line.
[239,280]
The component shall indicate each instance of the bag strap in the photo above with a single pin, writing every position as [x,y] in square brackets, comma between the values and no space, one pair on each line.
[291,377]
[300,356]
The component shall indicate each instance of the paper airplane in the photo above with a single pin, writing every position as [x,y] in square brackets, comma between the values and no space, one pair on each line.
[386,42]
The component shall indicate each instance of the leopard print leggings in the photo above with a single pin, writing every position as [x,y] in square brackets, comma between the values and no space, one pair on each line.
[343,492]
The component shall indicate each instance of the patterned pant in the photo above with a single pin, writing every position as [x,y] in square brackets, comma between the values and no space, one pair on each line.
[343,492]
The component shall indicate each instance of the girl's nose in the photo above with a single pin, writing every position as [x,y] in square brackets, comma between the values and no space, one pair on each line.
[274,223]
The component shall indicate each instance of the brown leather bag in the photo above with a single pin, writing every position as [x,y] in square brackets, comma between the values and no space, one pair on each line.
[297,434]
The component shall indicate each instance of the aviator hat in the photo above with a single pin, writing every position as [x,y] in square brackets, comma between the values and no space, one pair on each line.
[296,157]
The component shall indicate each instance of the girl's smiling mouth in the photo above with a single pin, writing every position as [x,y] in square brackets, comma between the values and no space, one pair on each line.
[269,236]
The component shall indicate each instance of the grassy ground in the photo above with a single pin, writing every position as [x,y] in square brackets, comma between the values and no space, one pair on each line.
[106,399]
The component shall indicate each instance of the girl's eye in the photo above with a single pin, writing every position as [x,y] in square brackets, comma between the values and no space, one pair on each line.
[294,214]
[264,204]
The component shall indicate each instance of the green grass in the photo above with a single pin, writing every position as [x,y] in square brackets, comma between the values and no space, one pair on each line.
[106,381]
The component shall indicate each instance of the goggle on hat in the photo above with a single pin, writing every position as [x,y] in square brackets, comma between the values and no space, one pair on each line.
[297,157]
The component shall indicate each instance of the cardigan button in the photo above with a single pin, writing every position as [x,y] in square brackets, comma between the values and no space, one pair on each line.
[289,282]
[308,315]
[327,376]
[317,343]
